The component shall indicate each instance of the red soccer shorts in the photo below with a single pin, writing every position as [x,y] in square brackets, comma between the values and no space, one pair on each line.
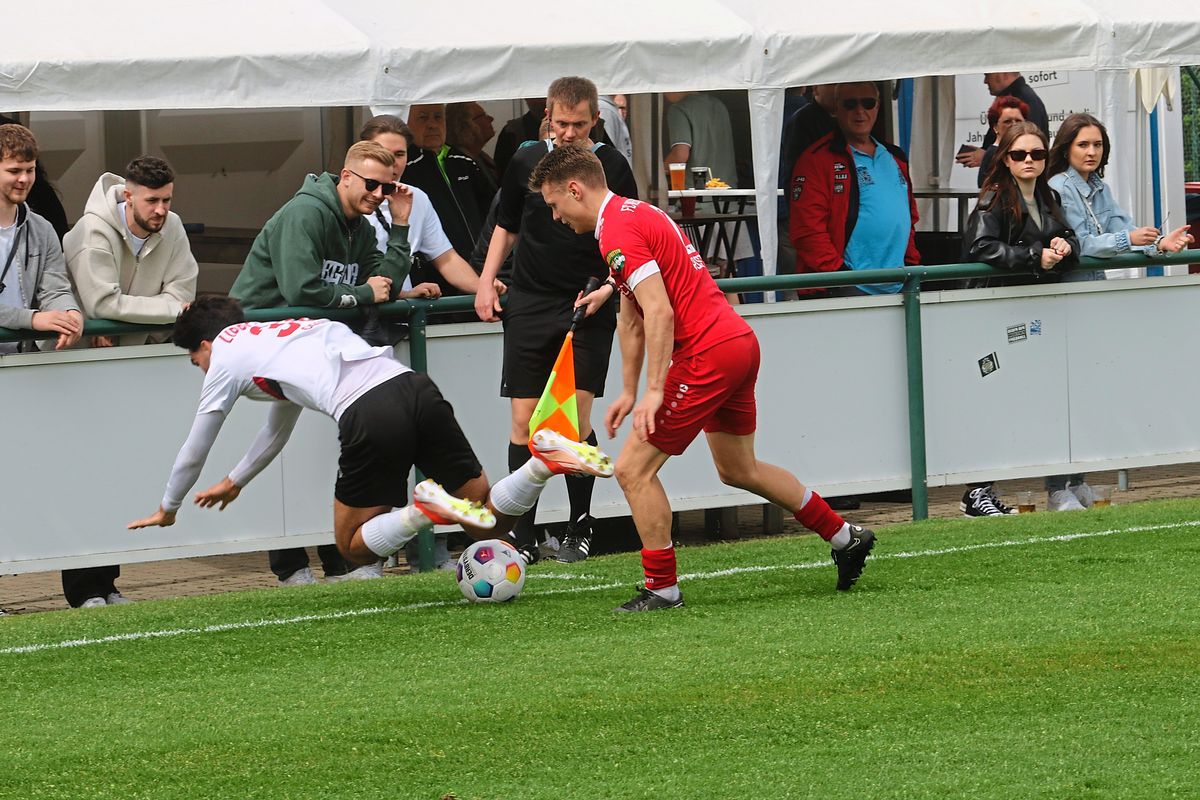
[711,391]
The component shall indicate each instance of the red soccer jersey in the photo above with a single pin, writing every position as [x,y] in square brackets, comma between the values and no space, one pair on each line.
[638,240]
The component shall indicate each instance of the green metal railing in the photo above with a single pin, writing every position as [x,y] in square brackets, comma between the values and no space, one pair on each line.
[417,313]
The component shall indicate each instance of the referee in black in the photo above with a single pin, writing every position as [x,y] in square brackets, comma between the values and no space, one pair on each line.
[551,266]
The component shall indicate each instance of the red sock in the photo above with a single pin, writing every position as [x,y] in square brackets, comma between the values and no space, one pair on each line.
[818,517]
[659,566]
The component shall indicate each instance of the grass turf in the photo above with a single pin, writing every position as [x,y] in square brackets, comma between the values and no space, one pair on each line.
[993,662]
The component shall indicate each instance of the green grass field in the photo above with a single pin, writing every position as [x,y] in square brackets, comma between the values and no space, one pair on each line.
[976,658]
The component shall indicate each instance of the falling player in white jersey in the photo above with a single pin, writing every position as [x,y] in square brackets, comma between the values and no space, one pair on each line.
[389,419]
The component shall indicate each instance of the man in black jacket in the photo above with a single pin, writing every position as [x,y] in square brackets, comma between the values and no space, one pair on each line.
[456,185]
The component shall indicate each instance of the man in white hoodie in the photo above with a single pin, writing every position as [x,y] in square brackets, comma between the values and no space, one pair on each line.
[129,256]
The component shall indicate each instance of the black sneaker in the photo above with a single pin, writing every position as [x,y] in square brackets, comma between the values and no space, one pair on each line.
[1001,506]
[978,502]
[647,600]
[851,559]
[576,542]
[529,553]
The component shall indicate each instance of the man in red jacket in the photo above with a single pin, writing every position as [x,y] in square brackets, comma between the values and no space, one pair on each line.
[852,205]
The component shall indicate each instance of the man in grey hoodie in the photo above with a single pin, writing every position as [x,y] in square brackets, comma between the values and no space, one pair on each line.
[34,291]
[128,256]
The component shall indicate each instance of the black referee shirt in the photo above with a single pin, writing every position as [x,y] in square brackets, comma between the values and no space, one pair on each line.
[551,258]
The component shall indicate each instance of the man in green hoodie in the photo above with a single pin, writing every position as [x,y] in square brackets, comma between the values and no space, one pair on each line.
[317,250]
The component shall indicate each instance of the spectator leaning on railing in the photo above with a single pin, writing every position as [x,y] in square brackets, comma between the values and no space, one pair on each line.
[128,255]
[1076,171]
[1019,226]
[317,251]
[35,293]
[851,198]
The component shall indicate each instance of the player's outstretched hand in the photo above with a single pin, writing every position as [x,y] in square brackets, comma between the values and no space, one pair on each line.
[160,519]
[617,412]
[644,411]
[224,493]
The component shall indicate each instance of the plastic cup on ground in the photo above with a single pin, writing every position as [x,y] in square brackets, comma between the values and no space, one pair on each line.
[1026,503]
[1102,496]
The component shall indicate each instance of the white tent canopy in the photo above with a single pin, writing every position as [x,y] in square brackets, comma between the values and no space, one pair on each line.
[271,53]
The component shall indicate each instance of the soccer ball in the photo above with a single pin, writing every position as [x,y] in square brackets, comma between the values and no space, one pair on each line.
[490,571]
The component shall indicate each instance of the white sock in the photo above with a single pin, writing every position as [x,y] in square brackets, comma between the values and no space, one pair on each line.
[841,538]
[387,533]
[807,497]
[670,593]
[517,493]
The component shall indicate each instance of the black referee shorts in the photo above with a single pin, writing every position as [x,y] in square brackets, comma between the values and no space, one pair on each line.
[401,422]
[535,326]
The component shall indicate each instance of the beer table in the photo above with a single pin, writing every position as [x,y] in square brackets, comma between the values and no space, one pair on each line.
[706,227]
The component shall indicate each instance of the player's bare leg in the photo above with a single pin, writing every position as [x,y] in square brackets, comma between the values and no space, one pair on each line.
[637,473]
[738,466]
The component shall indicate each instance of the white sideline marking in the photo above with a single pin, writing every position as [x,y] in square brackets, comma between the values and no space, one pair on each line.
[692,576]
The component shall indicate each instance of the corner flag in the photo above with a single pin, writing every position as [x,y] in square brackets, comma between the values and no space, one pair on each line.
[556,408]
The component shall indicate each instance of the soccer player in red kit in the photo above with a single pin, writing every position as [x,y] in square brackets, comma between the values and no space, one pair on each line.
[701,365]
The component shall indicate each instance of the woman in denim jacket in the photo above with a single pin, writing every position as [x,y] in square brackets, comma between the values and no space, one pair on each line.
[1077,160]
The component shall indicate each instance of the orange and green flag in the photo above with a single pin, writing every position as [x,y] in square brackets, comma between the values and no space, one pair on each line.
[556,407]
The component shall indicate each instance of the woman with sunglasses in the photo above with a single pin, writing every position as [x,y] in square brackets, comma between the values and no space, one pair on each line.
[1076,171]
[1019,223]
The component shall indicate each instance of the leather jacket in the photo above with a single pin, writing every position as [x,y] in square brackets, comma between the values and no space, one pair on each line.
[994,238]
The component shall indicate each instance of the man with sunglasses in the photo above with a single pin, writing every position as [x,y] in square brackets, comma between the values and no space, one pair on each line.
[852,204]
[318,251]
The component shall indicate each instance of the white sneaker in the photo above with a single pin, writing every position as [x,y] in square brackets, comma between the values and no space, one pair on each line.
[301,577]
[564,456]
[1063,500]
[93,602]
[1084,494]
[366,572]
[445,509]
[117,599]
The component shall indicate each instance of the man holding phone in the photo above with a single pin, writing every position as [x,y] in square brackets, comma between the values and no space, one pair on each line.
[317,251]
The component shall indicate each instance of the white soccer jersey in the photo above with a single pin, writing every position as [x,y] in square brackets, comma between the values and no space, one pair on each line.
[299,363]
[314,363]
